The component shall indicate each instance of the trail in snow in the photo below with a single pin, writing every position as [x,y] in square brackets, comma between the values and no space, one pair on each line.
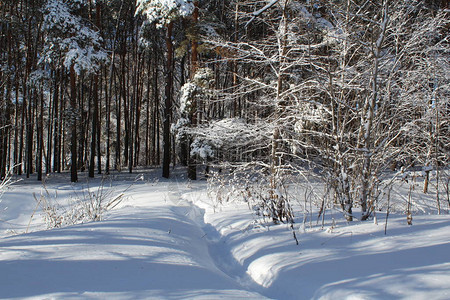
[148,248]
[219,251]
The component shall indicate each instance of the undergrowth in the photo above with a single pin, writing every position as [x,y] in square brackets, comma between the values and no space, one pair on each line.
[86,205]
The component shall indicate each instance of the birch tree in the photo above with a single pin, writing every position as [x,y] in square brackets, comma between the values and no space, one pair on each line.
[276,51]
[371,50]
[420,87]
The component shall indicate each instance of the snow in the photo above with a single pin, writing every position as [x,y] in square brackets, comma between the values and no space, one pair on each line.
[187,91]
[164,11]
[202,149]
[168,240]
[228,133]
[66,33]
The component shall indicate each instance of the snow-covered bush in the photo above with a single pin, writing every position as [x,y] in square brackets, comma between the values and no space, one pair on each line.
[163,12]
[5,183]
[226,136]
[195,90]
[87,205]
[250,183]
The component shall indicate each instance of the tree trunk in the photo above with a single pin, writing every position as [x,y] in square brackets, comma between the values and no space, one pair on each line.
[29,136]
[278,212]
[40,141]
[192,163]
[108,117]
[16,132]
[73,138]
[168,102]
[147,115]
[97,100]
[156,115]
[367,120]
[57,121]
[99,128]
[50,129]
[118,133]
[94,128]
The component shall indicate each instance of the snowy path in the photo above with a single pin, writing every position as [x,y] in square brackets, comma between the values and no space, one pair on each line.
[145,250]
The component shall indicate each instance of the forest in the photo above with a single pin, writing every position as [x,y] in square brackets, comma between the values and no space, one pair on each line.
[224,149]
[257,95]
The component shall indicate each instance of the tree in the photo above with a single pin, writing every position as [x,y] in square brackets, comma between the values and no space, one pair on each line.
[420,88]
[342,91]
[95,139]
[374,55]
[163,13]
[70,37]
[327,79]
[192,166]
[272,65]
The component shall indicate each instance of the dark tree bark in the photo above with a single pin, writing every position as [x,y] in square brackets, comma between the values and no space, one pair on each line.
[147,114]
[73,138]
[40,137]
[156,157]
[118,133]
[168,103]
[192,163]
[108,117]
[95,138]
[94,128]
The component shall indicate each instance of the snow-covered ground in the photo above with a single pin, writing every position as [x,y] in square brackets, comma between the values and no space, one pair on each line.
[165,240]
